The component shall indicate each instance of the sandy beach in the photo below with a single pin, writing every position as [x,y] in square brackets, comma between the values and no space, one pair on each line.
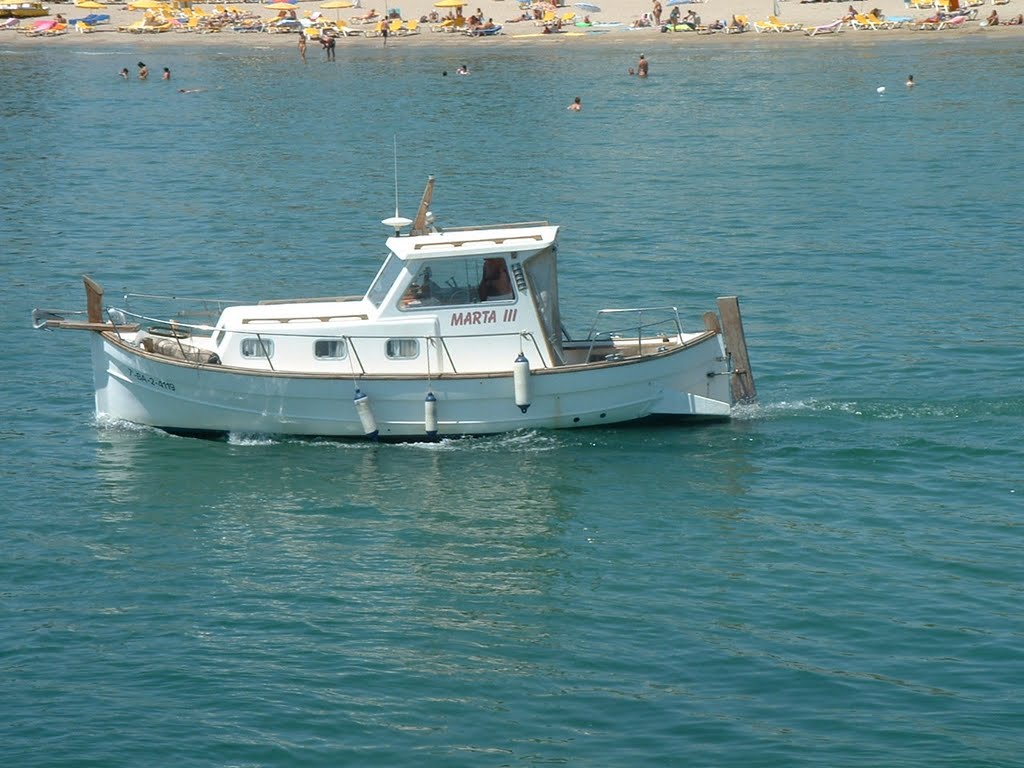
[614,21]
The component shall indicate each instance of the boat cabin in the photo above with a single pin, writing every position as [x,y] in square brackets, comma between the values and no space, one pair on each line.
[459,301]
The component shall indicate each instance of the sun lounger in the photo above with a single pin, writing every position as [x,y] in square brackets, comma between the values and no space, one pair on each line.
[484,31]
[957,22]
[825,29]
[742,25]
[10,23]
[787,26]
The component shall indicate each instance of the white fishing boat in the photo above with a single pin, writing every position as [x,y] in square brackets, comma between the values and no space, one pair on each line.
[459,334]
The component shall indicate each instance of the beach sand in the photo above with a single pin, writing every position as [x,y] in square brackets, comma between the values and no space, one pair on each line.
[526,32]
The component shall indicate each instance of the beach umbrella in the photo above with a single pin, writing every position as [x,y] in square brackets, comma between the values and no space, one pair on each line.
[587,7]
[450,4]
[91,4]
[337,5]
[281,6]
[145,4]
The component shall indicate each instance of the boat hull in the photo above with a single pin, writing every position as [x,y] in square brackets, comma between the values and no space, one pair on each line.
[689,382]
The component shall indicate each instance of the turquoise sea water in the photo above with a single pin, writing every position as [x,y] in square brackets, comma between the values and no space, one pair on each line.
[833,578]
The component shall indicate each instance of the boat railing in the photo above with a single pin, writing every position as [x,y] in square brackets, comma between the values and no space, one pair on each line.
[646,324]
[179,331]
[182,306]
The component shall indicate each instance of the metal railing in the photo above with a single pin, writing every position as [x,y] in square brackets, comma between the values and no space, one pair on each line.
[669,315]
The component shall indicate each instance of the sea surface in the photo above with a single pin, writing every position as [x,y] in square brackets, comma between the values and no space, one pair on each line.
[834,578]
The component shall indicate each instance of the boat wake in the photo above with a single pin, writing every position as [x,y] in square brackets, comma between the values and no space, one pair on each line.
[883,410]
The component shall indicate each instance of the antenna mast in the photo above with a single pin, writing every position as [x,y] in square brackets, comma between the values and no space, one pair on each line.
[396,222]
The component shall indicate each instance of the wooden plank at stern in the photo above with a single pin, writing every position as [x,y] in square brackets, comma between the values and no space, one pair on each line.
[94,299]
[743,389]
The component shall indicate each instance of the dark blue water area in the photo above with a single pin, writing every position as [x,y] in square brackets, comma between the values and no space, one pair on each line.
[831,578]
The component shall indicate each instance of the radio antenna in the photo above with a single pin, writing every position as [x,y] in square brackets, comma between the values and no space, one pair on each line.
[396,222]
[394,151]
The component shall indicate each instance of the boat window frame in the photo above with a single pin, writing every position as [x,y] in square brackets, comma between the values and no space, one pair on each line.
[329,358]
[256,347]
[401,340]
[386,277]
[423,292]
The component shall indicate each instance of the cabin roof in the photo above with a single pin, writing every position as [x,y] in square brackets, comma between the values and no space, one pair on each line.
[476,241]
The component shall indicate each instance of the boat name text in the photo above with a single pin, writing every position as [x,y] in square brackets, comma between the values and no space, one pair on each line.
[482,317]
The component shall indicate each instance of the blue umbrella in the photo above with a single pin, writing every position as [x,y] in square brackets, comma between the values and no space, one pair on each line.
[679,2]
[588,7]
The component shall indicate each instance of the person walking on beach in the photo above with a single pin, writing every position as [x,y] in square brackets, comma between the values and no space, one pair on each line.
[143,71]
[657,13]
[641,67]
[384,29]
[302,46]
[576,105]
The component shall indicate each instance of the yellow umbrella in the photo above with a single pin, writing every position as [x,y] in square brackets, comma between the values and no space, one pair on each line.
[450,4]
[91,4]
[336,5]
[281,6]
[145,4]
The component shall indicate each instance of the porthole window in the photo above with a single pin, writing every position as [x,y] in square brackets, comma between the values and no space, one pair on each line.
[257,347]
[330,349]
[403,349]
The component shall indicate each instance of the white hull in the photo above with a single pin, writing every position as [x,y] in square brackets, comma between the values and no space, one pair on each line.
[182,397]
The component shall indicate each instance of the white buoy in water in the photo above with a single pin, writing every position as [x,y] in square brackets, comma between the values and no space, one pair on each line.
[365,412]
[880,89]
[430,415]
[521,381]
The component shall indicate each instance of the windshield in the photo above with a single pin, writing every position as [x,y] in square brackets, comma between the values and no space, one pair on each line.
[458,281]
[384,280]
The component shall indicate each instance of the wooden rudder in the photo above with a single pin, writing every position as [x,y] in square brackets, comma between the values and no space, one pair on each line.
[743,389]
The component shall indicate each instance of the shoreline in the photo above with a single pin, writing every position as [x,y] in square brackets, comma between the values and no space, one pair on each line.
[527,32]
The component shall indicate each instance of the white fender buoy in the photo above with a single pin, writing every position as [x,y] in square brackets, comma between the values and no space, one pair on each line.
[880,89]
[521,381]
[362,403]
[430,415]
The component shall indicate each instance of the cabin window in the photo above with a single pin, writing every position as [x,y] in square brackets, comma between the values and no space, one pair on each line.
[254,346]
[385,279]
[458,282]
[403,349]
[330,349]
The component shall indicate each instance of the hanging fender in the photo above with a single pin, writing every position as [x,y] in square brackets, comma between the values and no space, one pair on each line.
[521,382]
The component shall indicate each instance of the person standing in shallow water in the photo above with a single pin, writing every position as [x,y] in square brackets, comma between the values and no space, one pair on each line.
[143,71]
[302,46]
[576,105]
[641,67]
[327,41]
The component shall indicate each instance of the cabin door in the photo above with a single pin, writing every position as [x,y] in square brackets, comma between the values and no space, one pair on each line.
[542,274]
